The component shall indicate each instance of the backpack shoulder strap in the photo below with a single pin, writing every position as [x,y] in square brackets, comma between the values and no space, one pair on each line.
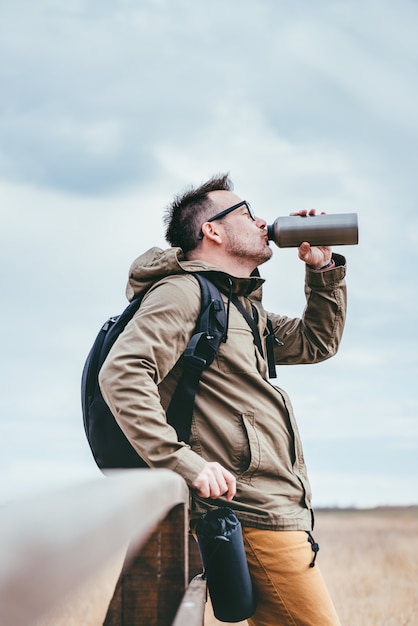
[210,331]
[271,340]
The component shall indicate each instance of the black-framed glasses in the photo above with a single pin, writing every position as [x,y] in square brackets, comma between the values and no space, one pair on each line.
[228,210]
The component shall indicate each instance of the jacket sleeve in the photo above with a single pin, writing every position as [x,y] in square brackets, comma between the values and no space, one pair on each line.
[317,334]
[141,358]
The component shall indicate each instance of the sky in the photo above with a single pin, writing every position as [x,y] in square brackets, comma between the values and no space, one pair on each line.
[111,107]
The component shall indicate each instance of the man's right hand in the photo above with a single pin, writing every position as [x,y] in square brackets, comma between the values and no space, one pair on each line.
[215,481]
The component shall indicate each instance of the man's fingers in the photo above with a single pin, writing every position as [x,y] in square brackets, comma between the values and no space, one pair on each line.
[214,481]
[232,486]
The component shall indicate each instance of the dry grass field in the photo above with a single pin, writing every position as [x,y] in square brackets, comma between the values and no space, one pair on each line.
[369,559]
[370,562]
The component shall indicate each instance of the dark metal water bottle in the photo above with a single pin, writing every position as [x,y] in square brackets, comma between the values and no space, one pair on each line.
[223,555]
[318,230]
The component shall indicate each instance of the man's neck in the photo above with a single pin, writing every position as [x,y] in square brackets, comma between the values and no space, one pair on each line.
[235,267]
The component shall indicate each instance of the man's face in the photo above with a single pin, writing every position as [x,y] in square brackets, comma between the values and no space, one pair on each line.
[244,235]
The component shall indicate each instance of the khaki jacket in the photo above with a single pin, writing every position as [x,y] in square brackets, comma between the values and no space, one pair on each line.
[240,418]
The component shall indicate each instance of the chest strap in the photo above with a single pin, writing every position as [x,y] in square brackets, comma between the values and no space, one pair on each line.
[270,339]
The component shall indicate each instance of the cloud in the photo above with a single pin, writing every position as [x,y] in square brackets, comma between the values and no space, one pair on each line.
[89,98]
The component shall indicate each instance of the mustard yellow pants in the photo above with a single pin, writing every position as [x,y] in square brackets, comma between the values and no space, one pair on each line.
[288,591]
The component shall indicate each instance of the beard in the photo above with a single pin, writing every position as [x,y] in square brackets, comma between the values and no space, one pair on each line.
[248,247]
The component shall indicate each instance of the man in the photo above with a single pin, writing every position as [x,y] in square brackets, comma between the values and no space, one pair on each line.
[244,447]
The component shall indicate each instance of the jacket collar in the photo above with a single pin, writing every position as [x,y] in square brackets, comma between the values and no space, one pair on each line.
[224,282]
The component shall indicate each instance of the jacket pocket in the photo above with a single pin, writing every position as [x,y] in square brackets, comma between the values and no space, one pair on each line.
[253,443]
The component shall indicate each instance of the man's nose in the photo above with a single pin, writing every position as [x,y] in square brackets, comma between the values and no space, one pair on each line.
[260,222]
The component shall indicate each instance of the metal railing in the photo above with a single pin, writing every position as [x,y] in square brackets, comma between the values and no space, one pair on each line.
[51,544]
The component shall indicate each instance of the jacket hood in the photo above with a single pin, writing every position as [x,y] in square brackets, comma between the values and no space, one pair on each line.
[156,264]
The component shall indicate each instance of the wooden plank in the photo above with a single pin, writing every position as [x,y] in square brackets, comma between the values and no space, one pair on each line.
[52,544]
[153,582]
[191,611]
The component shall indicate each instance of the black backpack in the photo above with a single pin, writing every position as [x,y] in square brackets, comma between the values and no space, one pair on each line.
[110,447]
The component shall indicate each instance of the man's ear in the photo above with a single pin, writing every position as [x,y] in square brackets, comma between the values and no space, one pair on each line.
[212,232]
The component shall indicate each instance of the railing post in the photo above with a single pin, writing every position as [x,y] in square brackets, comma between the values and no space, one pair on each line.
[195,561]
[153,581]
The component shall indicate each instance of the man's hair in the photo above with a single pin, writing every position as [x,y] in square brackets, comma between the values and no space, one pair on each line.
[185,215]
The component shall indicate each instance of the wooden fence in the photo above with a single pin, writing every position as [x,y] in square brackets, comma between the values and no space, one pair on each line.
[52,544]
